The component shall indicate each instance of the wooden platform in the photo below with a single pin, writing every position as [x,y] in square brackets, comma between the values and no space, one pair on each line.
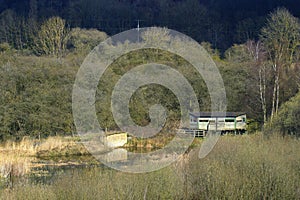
[194,132]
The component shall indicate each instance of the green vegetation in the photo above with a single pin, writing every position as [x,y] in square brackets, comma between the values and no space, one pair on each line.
[35,96]
[286,121]
[81,41]
[244,167]
[36,91]
[281,37]
[149,95]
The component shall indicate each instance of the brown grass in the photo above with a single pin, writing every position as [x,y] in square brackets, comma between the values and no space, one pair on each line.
[60,146]
[16,157]
[156,142]
[25,147]
[247,167]
[14,165]
[239,167]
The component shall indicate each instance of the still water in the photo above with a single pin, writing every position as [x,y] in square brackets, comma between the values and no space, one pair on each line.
[84,177]
[47,171]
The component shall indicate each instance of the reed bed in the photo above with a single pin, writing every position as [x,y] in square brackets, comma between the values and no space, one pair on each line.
[16,157]
[14,165]
[239,167]
[25,147]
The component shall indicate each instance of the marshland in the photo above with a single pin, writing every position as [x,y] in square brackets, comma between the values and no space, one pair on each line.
[43,45]
[247,167]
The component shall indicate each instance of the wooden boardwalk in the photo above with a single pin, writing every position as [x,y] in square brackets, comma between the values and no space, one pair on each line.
[194,132]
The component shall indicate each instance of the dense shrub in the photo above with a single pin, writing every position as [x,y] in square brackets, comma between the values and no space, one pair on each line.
[85,39]
[35,96]
[287,120]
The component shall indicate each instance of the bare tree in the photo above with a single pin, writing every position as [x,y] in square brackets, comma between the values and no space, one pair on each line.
[52,37]
[280,36]
[258,55]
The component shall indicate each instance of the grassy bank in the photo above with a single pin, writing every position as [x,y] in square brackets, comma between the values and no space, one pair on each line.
[17,158]
[51,146]
[239,167]
[157,142]
[248,167]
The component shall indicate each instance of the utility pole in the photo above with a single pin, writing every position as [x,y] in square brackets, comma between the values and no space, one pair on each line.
[138,25]
[138,29]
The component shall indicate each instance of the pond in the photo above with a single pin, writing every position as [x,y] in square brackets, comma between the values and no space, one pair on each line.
[85,178]
[246,167]
[46,170]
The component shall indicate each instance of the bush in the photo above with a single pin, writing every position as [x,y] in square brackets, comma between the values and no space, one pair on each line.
[36,97]
[85,40]
[52,37]
[287,119]
[4,47]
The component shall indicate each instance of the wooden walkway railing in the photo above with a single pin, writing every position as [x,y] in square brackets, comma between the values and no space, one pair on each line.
[194,132]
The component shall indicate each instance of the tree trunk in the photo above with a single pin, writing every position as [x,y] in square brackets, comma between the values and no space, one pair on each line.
[262,90]
[275,100]
[277,90]
[264,95]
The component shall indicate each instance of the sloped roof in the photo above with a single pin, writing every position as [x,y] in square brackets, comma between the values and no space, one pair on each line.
[217,114]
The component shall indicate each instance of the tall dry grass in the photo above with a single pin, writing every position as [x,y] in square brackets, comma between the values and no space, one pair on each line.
[61,146]
[16,157]
[24,147]
[14,165]
[248,167]
[240,167]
